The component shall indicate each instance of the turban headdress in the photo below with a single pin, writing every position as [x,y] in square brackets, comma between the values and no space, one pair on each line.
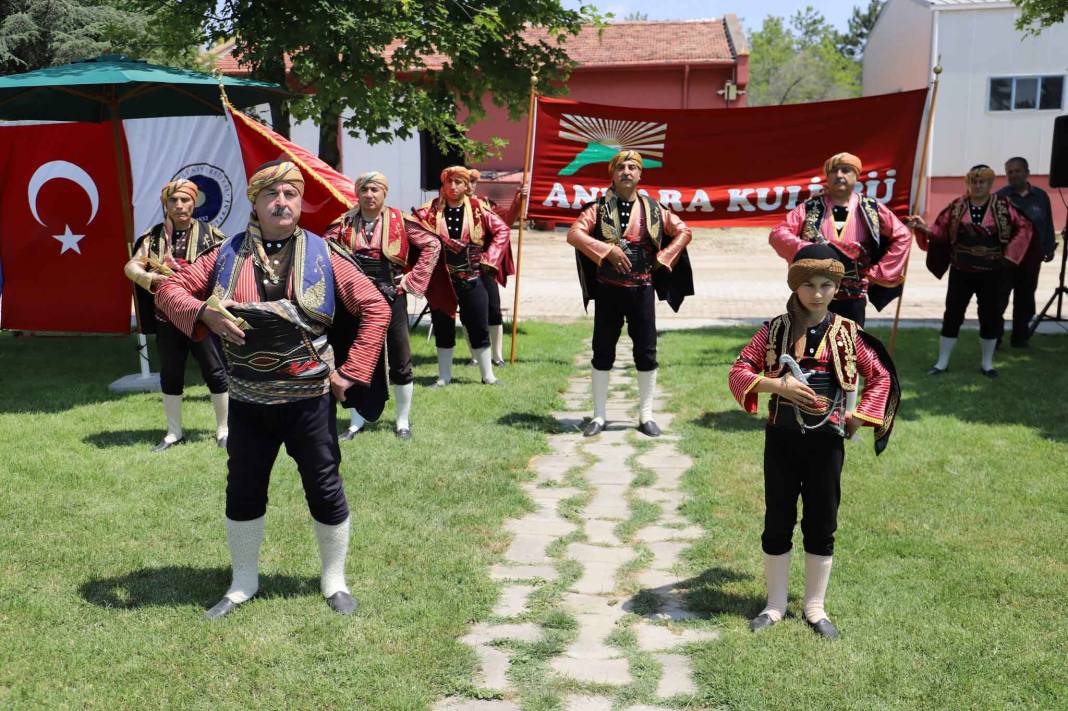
[280,171]
[183,186]
[839,159]
[625,155]
[455,171]
[814,260]
[372,176]
[982,171]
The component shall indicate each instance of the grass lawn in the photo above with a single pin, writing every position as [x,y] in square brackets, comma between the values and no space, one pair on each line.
[948,586]
[110,553]
[951,571]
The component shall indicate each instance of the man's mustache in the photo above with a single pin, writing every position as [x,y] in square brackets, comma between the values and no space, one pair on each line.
[281,212]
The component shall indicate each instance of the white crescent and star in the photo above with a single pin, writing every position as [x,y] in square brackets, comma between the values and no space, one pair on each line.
[54,170]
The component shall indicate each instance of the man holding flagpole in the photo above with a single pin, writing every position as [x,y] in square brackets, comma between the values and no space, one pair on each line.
[630,249]
[873,242]
[160,252]
[398,254]
[270,293]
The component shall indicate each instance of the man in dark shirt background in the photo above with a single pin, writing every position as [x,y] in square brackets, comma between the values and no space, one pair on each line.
[1032,203]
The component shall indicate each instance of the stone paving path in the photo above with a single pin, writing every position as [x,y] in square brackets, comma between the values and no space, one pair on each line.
[611,513]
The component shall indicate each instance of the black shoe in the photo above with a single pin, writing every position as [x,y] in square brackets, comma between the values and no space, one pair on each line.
[824,628]
[649,428]
[1020,344]
[935,370]
[992,373]
[221,442]
[760,622]
[495,381]
[349,434]
[595,427]
[342,603]
[403,433]
[221,609]
[472,362]
[167,444]
[497,363]
[439,383]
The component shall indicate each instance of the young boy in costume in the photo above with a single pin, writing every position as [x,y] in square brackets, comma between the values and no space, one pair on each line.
[809,361]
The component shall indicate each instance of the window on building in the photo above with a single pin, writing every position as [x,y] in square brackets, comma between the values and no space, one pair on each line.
[1026,93]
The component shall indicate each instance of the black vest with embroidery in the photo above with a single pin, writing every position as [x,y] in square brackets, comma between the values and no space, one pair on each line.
[870,253]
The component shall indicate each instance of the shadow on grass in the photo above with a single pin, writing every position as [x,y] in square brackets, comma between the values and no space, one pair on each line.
[177,585]
[730,421]
[532,421]
[127,438]
[704,593]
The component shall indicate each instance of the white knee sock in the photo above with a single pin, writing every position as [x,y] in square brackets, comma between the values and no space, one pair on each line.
[988,346]
[172,408]
[646,390]
[485,365]
[244,539]
[599,380]
[496,334]
[777,575]
[817,574]
[403,396]
[945,350]
[357,421]
[333,548]
[445,365]
[221,403]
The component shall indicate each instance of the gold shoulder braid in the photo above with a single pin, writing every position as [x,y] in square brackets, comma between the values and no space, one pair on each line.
[810,228]
[842,335]
[1002,219]
[654,219]
[608,206]
[315,295]
[778,333]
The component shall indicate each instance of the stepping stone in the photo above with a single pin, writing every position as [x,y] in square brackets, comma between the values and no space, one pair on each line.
[542,524]
[590,641]
[657,534]
[601,532]
[608,502]
[493,668]
[482,633]
[646,707]
[523,572]
[615,672]
[549,495]
[594,605]
[654,638]
[513,600]
[597,579]
[457,704]
[676,676]
[666,554]
[529,548]
[670,499]
[587,703]
[655,579]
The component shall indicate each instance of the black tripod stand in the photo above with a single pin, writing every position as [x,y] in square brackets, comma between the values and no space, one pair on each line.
[1058,293]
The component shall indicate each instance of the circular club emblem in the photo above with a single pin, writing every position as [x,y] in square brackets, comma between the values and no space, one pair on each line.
[216,192]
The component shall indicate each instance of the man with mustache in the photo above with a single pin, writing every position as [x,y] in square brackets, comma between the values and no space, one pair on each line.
[166,248]
[980,238]
[399,255]
[284,283]
[474,240]
[630,250]
[873,242]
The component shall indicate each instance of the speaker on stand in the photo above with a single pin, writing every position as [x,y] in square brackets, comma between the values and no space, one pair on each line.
[1058,178]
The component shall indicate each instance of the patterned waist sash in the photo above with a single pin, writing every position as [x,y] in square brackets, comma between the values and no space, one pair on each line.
[285,357]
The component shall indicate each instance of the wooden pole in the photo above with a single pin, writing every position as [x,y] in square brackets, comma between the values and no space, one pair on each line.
[921,177]
[523,213]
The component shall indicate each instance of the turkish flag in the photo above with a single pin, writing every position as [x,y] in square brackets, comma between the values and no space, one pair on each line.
[62,244]
[327,193]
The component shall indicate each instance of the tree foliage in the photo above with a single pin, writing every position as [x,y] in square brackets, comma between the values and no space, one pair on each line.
[41,33]
[374,62]
[1035,15]
[852,42]
[798,61]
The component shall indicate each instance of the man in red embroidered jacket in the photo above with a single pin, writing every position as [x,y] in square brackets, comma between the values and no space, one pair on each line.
[809,360]
[873,242]
[493,279]
[399,255]
[630,250]
[981,239]
[283,282]
[474,240]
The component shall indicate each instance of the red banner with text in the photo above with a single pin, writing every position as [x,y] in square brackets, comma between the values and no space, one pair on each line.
[724,167]
[62,247]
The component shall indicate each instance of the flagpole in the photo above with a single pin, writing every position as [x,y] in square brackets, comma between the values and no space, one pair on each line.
[914,203]
[523,211]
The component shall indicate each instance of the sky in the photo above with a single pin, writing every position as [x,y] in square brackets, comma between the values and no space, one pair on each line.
[750,12]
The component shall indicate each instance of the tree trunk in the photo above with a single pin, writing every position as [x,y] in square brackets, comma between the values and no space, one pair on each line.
[330,138]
